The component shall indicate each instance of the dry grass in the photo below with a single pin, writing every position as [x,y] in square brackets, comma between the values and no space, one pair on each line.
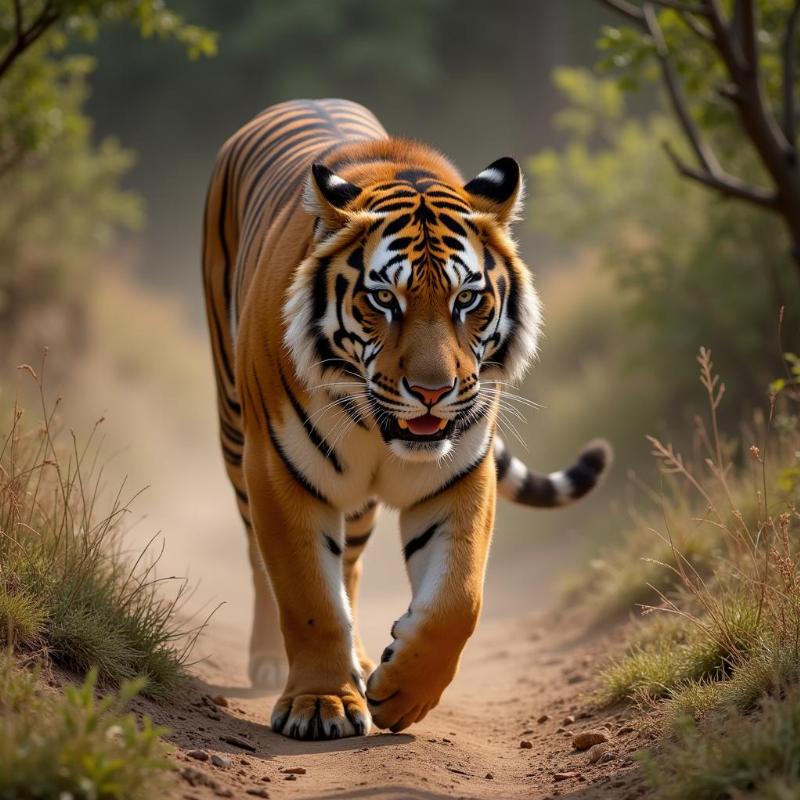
[719,647]
[67,588]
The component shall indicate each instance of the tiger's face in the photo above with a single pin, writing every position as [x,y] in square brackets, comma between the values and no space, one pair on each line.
[414,303]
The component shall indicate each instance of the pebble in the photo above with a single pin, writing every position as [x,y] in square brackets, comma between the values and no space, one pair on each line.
[192,776]
[569,719]
[237,741]
[564,776]
[257,792]
[290,778]
[543,718]
[220,761]
[586,739]
[596,751]
[223,791]
[609,755]
[197,755]
[219,700]
[525,744]
[294,771]
[489,776]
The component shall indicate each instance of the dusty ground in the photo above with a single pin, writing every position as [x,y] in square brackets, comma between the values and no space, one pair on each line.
[503,730]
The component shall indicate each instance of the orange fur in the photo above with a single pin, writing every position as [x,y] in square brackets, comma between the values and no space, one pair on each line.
[347,307]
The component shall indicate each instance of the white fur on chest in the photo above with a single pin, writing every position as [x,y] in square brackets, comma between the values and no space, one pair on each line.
[368,468]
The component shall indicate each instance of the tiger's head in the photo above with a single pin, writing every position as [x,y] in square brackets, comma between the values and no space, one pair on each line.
[413,305]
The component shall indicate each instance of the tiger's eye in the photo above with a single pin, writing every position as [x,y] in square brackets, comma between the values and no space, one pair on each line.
[385,297]
[466,297]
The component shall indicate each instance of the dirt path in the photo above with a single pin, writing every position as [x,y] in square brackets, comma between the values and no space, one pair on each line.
[515,673]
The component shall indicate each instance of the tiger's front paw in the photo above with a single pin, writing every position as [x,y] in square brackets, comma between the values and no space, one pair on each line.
[321,716]
[409,681]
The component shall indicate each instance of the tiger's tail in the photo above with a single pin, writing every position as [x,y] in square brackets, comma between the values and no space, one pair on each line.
[515,481]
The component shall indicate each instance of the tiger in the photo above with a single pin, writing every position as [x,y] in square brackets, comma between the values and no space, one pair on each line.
[367,309]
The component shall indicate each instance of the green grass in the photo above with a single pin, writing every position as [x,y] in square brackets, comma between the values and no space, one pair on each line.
[730,755]
[714,668]
[73,746]
[665,654]
[66,586]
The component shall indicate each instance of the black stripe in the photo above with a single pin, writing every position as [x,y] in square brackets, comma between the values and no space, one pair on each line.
[356,515]
[232,433]
[242,495]
[333,545]
[454,480]
[358,541]
[313,434]
[231,456]
[349,407]
[290,467]
[582,478]
[502,461]
[418,542]
[537,490]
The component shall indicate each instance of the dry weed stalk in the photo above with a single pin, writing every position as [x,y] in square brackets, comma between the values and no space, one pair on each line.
[761,563]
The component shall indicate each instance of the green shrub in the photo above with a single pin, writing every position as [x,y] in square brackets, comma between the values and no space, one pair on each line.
[686,267]
[72,745]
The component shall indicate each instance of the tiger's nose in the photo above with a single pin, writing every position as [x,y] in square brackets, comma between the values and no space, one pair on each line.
[429,396]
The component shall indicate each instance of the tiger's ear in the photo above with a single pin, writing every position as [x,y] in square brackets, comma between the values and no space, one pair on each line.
[498,190]
[327,196]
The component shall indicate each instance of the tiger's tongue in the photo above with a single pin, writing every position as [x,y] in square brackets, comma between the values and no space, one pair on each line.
[424,426]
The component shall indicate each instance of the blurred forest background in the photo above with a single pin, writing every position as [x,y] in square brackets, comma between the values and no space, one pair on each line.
[108,134]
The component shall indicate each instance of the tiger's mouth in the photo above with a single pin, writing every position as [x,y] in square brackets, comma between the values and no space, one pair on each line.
[427,428]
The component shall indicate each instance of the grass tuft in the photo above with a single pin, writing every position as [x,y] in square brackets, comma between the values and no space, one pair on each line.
[66,585]
[714,665]
[72,745]
[756,756]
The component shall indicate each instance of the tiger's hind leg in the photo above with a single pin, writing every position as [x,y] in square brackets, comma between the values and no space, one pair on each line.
[267,665]
[358,529]
[324,696]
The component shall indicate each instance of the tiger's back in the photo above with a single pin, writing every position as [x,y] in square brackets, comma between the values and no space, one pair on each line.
[254,206]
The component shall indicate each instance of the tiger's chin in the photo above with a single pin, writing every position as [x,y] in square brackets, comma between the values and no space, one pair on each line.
[430,450]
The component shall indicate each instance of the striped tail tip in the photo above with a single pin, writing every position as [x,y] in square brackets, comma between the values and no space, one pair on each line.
[516,482]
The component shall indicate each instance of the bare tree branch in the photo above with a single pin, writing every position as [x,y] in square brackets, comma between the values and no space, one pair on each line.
[723,182]
[18,18]
[678,5]
[690,20]
[735,39]
[789,59]
[25,37]
[704,154]
[624,7]
[722,37]
[747,31]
